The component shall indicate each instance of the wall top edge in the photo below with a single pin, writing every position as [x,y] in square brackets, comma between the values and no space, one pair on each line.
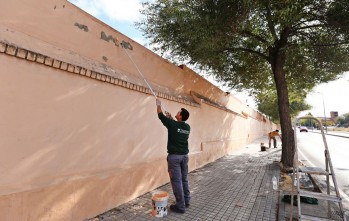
[9,48]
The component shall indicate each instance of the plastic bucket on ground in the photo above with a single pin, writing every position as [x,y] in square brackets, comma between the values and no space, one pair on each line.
[159,201]
[263,148]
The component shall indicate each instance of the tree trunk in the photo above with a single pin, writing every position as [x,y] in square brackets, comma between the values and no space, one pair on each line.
[288,142]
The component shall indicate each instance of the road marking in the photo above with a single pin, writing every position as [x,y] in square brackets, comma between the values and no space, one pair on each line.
[343,195]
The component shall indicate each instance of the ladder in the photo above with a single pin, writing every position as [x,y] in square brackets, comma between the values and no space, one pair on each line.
[317,171]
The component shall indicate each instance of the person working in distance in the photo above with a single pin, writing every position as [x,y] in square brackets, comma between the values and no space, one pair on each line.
[272,135]
[177,159]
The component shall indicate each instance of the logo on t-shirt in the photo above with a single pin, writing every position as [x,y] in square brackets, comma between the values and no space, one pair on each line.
[179,130]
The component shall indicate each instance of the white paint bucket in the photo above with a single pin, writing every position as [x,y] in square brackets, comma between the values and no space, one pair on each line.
[159,201]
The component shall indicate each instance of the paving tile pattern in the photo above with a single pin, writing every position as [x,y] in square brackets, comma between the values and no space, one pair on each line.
[235,187]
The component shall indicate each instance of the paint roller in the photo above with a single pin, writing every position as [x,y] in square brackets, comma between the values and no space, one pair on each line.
[126,46]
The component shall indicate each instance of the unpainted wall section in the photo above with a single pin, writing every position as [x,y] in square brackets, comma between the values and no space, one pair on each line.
[58,23]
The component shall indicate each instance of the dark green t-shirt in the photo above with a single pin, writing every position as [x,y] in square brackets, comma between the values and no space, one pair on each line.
[178,135]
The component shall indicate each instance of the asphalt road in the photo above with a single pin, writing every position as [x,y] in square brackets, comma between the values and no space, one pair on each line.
[311,152]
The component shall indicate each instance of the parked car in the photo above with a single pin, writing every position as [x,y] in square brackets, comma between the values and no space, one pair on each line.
[303,129]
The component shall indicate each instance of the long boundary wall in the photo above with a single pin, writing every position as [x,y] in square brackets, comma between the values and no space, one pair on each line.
[79,130]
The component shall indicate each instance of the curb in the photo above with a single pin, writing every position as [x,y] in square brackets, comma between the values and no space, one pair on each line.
[330,134]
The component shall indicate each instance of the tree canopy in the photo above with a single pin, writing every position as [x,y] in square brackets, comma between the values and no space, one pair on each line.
[256,44]
[267,103]
[343,121]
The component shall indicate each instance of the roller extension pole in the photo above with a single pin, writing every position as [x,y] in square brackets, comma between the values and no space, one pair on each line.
[140,73]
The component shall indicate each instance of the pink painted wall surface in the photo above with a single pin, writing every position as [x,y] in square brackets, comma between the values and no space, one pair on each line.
[79,130]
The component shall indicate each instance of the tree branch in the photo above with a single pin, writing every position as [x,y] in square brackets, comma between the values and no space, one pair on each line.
[257,37]
[310,38]
[308,27]
[248,50]
[332,44]
[270,22]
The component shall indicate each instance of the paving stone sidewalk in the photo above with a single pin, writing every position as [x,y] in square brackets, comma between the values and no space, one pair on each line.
[236,187]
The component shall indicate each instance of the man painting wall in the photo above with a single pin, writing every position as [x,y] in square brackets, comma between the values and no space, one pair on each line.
[177,159]
[272,136]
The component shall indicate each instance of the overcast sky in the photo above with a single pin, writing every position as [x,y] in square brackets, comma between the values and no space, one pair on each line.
[121,15]
[335,96]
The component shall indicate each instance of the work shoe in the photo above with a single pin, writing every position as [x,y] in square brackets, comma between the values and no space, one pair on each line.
[187,205]
[174,208]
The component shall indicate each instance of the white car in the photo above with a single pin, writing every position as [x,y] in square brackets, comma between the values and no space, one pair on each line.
[303,129]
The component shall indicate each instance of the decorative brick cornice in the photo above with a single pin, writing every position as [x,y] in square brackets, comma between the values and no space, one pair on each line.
[214,104]
[18,52]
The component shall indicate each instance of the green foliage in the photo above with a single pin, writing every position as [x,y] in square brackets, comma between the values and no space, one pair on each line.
[308,122]
[267,102]
[343,121]
[337,16]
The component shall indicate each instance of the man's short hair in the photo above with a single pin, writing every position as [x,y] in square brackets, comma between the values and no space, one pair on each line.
[184,114]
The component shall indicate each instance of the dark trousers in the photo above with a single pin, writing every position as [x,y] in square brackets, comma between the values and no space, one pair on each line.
[178,171]
[274,139]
